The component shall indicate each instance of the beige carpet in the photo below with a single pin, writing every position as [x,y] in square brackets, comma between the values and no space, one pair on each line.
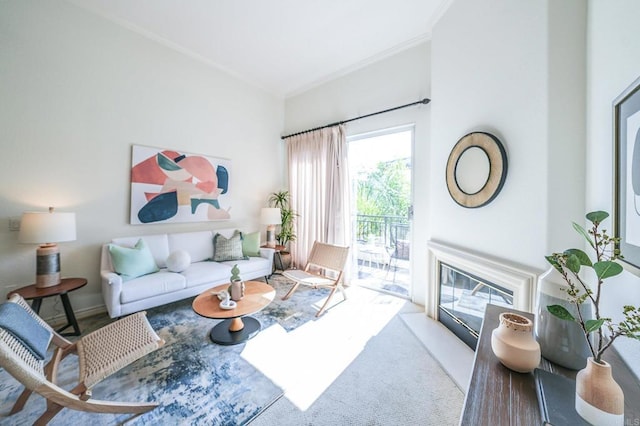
[391,380]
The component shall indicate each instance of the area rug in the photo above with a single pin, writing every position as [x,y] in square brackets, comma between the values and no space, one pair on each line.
[193,380]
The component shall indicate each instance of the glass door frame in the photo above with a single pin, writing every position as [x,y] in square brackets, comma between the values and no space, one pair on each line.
[378,133]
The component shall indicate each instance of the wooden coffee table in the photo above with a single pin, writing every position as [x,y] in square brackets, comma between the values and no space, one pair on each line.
[238,326]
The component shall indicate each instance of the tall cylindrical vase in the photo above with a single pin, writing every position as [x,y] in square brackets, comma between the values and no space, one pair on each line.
[561,341]
[599,399]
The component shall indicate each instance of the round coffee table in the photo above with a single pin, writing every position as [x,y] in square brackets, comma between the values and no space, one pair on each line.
[238,326]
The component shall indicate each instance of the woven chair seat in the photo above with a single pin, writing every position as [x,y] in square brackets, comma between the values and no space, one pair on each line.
[114,346]
[307,278]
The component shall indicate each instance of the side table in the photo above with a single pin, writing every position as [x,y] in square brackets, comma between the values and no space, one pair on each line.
[31,292]
[278,265]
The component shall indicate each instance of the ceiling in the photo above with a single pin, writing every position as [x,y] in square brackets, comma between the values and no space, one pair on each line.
[283,46]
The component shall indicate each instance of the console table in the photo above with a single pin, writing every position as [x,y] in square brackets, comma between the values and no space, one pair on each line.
[499,396]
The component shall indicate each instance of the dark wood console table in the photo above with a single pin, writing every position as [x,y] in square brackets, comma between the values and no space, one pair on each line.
[499,396]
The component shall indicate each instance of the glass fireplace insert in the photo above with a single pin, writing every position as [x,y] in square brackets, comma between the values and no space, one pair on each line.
[463,298]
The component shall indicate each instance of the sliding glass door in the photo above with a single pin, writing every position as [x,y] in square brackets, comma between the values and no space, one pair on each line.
[380,164]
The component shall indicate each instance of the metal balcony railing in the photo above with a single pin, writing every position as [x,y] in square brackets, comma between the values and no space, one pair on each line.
[385,230]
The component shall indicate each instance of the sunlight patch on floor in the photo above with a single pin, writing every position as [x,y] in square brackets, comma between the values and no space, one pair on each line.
[305,361]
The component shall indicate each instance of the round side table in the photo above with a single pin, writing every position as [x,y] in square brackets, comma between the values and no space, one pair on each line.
[31,292]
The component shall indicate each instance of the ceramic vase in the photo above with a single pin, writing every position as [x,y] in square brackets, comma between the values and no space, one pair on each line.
[561,341]
[513,343]
[236,290]
[599,399]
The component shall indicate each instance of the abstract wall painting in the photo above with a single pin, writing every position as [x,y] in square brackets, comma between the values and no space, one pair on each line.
[626,110]
[173,187]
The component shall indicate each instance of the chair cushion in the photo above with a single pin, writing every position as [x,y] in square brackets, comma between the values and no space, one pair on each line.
[227,248]
[132,262]
[251,244]
[151,285]
[25,328]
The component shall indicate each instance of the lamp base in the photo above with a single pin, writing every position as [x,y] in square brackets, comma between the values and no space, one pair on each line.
[271,236]
[47,266]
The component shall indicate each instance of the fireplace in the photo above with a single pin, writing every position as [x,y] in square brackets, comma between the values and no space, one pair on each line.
[463,299]
[463,282]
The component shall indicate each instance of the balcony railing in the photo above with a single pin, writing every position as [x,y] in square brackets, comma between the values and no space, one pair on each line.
[386,230]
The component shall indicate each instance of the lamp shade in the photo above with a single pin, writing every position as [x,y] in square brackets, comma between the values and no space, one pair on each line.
[270,216]
[47,227]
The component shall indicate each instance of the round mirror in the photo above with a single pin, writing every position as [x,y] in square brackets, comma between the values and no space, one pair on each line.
[472,170]
[476,169]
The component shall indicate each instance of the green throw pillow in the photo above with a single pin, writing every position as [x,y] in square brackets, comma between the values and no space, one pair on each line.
[132,262]
[251,244]
[228,248]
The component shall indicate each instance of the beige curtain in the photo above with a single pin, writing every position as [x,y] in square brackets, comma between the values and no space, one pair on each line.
[320,190]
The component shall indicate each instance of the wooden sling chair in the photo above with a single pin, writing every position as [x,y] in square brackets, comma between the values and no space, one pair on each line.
[326,257]
[100,354]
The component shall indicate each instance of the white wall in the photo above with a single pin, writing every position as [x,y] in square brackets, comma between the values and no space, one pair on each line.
[397,80]
[613,64]
[76,91]
[500,74]
[523,74]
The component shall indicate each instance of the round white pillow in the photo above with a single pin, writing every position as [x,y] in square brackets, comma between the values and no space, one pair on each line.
[178,261]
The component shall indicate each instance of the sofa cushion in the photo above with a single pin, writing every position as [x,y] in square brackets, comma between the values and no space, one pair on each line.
[132,262]
[227,248]
[249,266]
[251,244]
[206,272]
[178,261]
[197,244]
[158,244]
[147,286]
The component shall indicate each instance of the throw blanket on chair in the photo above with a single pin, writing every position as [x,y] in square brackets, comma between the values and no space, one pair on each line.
[25,329]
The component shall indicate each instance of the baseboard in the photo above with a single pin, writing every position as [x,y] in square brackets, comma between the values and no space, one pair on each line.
[61,319]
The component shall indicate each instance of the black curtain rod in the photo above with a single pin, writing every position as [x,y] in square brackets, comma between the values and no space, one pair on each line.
[423,101]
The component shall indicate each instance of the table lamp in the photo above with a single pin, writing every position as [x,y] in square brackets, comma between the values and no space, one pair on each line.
[47,229]
[270,216]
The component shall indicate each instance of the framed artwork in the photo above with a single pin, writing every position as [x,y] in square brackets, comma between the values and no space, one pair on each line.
[626,122]
[168,186]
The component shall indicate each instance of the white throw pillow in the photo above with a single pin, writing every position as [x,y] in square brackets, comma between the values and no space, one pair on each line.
[178,261]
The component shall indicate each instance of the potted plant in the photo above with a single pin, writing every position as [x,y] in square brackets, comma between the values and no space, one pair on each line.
[287,216]
[595,388]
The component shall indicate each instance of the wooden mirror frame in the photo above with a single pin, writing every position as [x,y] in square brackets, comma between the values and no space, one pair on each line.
[497,156]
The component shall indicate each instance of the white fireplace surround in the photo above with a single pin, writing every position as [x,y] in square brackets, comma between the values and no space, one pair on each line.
[517,278]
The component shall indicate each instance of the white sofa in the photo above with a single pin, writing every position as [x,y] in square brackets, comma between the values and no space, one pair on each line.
[125,297]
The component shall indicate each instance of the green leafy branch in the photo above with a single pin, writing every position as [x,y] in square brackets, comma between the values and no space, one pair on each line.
[569,263]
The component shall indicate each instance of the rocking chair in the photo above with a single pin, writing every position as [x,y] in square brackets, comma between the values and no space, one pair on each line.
[100,354]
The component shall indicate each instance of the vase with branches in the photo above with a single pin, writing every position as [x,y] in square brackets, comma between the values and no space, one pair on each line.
[592,390]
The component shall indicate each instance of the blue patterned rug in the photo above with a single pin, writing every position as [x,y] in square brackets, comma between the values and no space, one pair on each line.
[193,380]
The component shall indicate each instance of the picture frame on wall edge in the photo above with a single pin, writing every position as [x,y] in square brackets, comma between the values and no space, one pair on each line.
[626,169]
